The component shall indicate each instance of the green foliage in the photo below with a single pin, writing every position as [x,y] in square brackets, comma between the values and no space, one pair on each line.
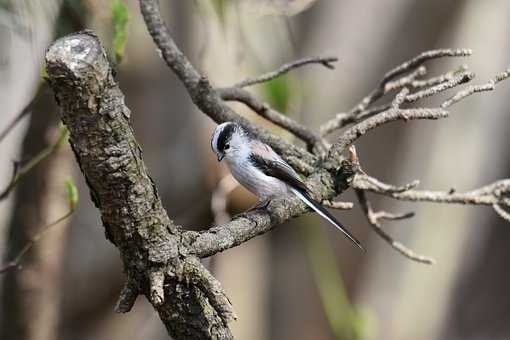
[346,321]
[72,192]
[278,92]
[120,20]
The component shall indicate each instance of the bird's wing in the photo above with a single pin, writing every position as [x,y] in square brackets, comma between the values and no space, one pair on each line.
[271,164]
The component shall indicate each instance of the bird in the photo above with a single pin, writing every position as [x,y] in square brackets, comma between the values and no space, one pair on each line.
[257,167]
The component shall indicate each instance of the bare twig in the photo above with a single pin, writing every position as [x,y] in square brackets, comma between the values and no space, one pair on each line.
[325,61]
[338,205]
[20,171]
[489,86]
[15,263]
[501,212]
[391,115]
[419,60]
[24,112]
[14,122]
[417,84]
[374,219]
[494,194]
[73,201]
[406,81]
[388,83]
[457,80]
[312,139]
[391,189]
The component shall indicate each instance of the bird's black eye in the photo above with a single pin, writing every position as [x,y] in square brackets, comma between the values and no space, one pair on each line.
[227,145]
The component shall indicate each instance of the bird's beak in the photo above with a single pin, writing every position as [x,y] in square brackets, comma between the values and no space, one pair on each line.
[220,156]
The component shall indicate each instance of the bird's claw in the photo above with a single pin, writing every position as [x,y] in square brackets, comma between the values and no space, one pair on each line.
[262,205]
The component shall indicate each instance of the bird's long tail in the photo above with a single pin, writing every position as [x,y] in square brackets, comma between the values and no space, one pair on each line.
[319,209]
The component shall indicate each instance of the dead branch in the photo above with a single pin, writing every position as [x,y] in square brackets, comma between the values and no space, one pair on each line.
[313,140]
[468,91]
[374,219]
[324,61]
[391,115]
[495,194]
[388,84]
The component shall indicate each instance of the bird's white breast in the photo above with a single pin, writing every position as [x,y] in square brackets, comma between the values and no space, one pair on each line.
[253,179]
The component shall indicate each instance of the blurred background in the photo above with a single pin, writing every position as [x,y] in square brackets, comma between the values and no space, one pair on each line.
[303,280]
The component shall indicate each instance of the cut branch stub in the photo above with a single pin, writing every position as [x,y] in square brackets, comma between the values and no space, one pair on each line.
[132,213]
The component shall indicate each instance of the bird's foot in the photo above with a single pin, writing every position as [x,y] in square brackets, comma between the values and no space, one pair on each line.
[261,205]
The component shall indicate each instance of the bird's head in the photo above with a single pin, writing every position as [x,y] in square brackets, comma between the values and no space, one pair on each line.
[229,138]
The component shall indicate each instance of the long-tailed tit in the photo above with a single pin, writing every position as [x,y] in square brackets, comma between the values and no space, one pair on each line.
[261,170]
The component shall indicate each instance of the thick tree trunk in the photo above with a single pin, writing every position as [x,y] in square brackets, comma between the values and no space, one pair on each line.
[190,302]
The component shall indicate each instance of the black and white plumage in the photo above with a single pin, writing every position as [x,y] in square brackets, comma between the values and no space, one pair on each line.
[261,170]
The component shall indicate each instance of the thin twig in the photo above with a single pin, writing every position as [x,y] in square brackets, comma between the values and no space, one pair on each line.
[73,201]
[405,81]
[391,115]
[338,205]
[457,80]
[406,67]
[417,84]
[491,194]
[21,171]
[312,139]
[15,263]
[388,83]
[468,91]
[374,219]
[14,122]
[325,61]
[24,112]
[501,212]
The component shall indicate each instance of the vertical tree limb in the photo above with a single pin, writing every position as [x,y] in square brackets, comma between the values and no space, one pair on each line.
[189,300]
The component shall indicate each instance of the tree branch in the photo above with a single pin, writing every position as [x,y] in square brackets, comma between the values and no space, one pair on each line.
[489,86]
[374,219]
[391,115]
[246,226]
[496,194]
[388,84]
[155,260]
[312,139]
[205,97]
[324,61]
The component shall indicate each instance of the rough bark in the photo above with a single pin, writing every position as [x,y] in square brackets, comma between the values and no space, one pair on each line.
[188,299]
